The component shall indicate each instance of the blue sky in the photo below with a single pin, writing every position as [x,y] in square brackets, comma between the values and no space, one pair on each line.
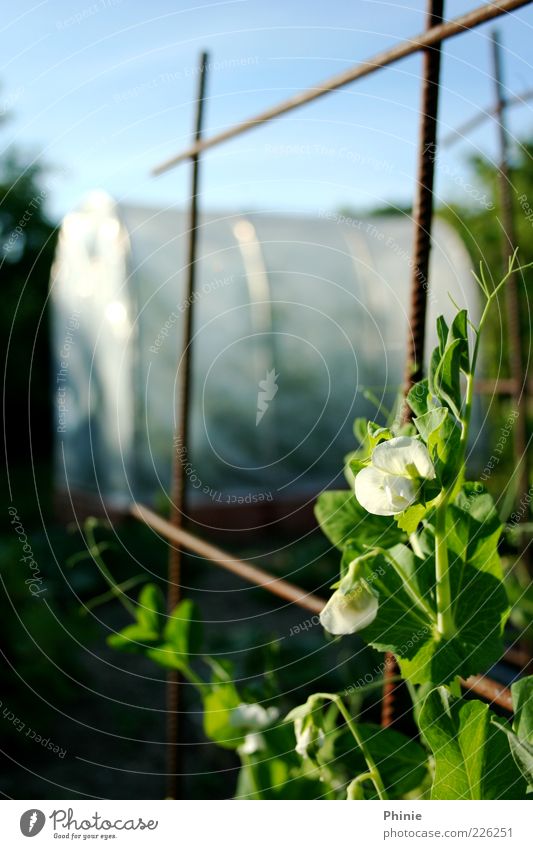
[102,90]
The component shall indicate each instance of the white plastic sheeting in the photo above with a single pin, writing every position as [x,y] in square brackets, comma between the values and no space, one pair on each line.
[294,319]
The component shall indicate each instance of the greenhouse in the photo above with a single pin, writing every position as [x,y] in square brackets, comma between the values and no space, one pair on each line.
[313,307]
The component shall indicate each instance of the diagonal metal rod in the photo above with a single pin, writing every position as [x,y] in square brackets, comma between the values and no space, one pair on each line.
[185,539]
[483,115]
[479,684]
[181,443]
[434,36]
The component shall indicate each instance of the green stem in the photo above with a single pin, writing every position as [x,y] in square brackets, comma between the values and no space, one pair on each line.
[94,552]
[366,776]
[247,761]
[445,623]
[352,726]
[409,588]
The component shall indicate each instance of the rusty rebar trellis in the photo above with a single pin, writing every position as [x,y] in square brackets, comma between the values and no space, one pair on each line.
[429,42]
[456,26]
[181,443]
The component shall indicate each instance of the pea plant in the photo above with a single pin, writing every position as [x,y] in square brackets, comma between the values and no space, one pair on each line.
[421,577]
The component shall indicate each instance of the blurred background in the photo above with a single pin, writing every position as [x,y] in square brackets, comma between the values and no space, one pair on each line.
[300,326]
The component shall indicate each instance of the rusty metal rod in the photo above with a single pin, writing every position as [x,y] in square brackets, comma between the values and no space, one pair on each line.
[277,586]
[423,203]
[509,243]
[483,115]
[518,657]
[483,686]
[181,441]
[458,25]
[499,386]
[490,690]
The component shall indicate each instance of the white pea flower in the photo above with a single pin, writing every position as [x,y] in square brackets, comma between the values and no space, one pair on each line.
[253,717]
[352,606]
[390,484]
[253,743]
[309,737]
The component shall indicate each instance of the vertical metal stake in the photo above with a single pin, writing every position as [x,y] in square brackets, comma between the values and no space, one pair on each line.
[422,215]
[181,442]
[423,204]
[509,243]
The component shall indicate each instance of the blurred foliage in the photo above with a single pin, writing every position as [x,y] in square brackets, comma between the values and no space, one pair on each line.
[27,241]
[480,227]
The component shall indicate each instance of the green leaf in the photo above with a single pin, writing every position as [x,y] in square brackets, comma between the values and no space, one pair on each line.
[406,628]
[133,638]
[459,332]
[521,750]
[355,791]
[442,332]
[151,608]
[434,361]
[165,655]
[521,735]
[410,519]
[376,434]
[354,464]
[447,378]
[360,431]
[473,531]
[418,397]
[472,760]
[522,693]
[441,435]
[429,424]
[277,772]
[344,522]
[183,630]
[480,605]
[219,702]
[401,761]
